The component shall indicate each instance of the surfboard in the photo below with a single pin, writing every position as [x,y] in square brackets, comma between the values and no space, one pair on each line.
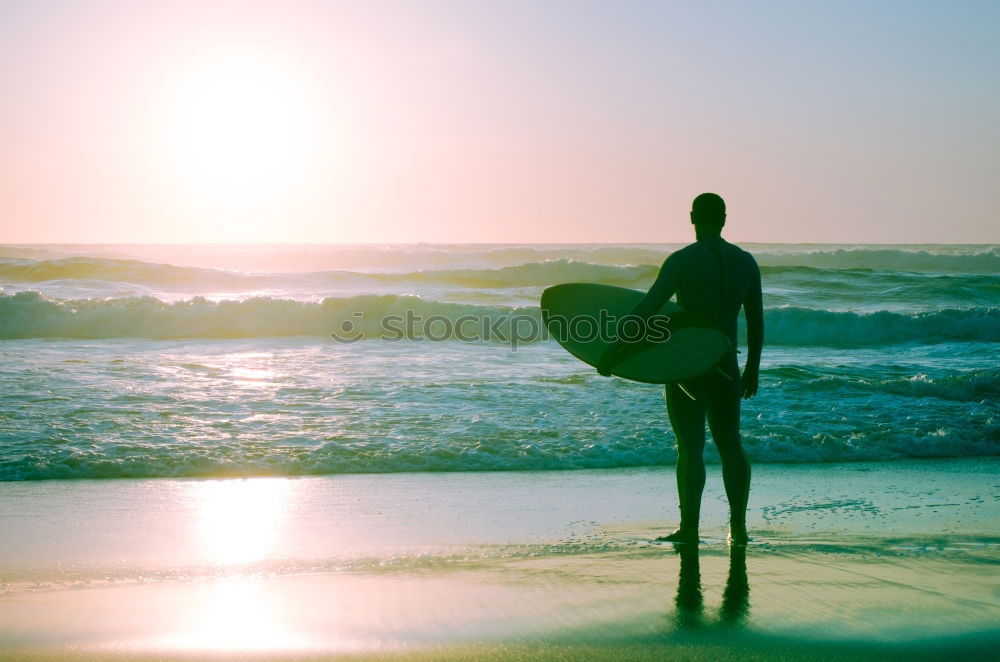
[573,311]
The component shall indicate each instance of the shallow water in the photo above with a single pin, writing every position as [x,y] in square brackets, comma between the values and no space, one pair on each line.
[142,361]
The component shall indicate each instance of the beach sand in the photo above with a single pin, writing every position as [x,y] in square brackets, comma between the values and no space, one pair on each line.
[893,560]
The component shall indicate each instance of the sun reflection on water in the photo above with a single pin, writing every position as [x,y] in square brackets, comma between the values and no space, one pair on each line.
[237,522]
[250,376]
[241,521]
[237,614]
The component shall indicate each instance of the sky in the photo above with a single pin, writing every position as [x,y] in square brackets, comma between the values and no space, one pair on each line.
[514,121]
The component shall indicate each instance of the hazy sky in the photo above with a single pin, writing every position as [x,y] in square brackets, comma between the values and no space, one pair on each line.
[498,121]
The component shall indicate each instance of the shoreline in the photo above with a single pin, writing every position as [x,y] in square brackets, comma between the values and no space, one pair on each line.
[694,649]
[710,460]
[847,560]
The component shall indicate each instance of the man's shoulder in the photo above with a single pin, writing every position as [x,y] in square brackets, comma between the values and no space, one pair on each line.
[744,255]
[683,259]
[685,251]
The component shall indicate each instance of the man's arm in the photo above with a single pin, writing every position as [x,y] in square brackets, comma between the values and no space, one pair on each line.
[661,291]
[753,309]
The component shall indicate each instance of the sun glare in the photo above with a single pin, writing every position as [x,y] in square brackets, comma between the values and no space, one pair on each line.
[239,521]
[237,132]
[237,615]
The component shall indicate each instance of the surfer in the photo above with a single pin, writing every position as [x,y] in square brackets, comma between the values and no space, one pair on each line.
[714,278]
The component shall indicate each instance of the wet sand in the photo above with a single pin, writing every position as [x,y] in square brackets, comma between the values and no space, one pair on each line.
[868,561]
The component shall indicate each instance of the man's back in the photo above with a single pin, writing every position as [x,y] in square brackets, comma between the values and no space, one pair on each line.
[716,278]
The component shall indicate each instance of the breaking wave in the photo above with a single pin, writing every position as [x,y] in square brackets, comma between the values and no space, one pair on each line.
[31,315]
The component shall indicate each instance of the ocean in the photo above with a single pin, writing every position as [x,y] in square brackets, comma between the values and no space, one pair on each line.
[193,361]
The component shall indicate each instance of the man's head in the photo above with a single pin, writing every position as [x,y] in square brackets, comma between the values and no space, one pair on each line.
[708,213]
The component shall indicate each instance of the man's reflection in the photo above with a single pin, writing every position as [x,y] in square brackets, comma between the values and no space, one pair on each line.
[735,598]
[689,601]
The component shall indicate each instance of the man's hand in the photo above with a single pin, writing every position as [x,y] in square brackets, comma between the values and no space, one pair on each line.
[748,382]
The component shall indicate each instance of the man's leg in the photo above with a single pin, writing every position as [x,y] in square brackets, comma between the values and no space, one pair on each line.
[688,419]
[724,422]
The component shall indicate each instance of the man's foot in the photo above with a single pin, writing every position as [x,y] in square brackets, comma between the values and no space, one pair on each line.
[680,537]
[738,535]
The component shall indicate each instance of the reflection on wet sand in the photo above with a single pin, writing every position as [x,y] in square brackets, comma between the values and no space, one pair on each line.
[689,613]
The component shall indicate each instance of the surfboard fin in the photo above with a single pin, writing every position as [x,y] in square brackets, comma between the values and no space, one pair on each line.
[686,392]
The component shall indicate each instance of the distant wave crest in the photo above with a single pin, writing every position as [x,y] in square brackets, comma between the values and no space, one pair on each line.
[169,276]
[537,267]
[415,257]
[889,259]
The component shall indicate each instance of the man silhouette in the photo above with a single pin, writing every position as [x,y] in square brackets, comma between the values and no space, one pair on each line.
[714,278]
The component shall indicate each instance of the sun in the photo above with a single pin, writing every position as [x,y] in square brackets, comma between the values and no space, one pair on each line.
[236,133]
[239,124]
